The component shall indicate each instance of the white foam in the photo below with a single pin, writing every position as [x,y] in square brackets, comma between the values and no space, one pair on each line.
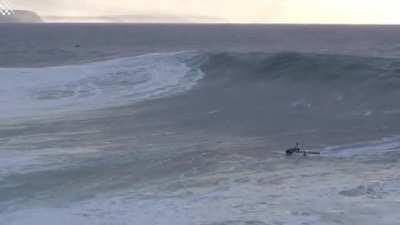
[27,92]
[20,162]
[384,145]
[310,195]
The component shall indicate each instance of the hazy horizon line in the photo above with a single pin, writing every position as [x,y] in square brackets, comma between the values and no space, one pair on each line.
[185,19]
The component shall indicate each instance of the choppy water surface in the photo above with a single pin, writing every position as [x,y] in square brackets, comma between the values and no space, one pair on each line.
[165,128]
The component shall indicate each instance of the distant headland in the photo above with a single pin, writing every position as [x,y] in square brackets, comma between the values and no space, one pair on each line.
[20,16]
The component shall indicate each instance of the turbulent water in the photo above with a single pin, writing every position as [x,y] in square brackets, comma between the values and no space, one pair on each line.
[191,135]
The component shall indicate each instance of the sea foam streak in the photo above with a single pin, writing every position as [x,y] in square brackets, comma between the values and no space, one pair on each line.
[41,91]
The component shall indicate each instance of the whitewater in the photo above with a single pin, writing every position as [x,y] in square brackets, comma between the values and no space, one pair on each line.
[30,91]
[187,124]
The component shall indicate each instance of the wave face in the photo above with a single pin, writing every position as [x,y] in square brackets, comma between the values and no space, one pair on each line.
[259,93]
[312,68]
[30,92]
[315,80]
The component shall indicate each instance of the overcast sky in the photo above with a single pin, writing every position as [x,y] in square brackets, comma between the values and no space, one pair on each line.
[281,11]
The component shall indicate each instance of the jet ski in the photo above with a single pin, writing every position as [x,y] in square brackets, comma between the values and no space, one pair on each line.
[296,150]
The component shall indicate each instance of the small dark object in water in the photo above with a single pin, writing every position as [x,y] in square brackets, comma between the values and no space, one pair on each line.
[293,150]
[77,46]
[297,149]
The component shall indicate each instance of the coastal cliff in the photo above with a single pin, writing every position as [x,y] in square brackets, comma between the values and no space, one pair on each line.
[21,16]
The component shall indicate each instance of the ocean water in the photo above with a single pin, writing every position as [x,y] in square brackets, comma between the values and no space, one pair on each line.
[187,124]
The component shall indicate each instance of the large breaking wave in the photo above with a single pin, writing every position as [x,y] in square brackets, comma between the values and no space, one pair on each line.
[249,93]
[325,97]
[332,84]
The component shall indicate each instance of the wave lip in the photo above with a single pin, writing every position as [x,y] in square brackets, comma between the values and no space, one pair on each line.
[40,91]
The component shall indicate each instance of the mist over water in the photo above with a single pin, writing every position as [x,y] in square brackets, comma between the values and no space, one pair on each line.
[185,124]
